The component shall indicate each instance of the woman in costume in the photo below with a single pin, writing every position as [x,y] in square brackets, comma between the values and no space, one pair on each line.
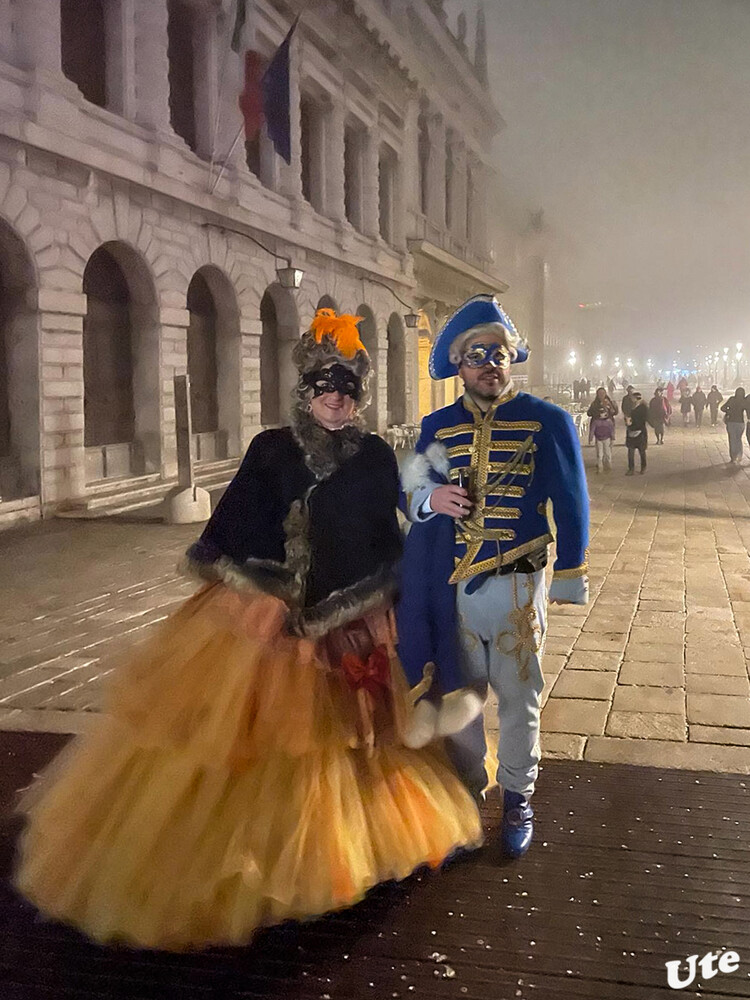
[251,765]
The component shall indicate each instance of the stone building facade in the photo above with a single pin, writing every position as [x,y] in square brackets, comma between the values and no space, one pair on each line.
[138,240]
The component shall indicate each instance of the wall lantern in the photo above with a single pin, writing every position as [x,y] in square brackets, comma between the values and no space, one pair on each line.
[289,277]
[411,320]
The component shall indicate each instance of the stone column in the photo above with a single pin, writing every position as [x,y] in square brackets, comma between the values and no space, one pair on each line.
[291,174]
[38,27]
[436,172]
[318,171]
[63,457]
[206,71]
[371,182]
[151,65]
[7,40]
[335,160]
[398,202]
[121,81]
[250,334]
[410,155]
[174,325]
[459,190]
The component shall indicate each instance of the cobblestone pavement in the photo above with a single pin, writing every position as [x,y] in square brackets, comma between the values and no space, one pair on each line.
[654,671]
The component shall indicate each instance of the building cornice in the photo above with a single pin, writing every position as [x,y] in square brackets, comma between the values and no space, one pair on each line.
[482,279]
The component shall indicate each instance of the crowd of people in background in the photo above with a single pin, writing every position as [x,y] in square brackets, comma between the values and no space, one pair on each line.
[639,415]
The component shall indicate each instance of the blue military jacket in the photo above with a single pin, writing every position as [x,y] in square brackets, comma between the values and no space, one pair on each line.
[513,459]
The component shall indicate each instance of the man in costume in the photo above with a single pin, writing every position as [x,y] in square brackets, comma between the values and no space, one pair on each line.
[474,594]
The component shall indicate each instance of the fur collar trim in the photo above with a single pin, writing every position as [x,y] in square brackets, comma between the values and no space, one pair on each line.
[325,451]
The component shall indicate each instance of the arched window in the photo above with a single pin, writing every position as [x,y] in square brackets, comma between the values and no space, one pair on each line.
[108,407]
[83,47]
[121,409]
[201,357]
[19,371]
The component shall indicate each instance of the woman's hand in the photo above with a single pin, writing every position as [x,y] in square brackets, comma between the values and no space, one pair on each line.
[451,500]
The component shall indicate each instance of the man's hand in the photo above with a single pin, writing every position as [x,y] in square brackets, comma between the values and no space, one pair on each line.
[451,500]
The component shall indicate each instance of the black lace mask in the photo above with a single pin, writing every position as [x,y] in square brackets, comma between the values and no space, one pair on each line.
[337,378]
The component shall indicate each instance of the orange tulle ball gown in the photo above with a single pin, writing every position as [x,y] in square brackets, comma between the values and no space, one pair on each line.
[249,766]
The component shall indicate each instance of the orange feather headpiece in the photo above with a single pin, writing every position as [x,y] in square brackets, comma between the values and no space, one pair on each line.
[341,329]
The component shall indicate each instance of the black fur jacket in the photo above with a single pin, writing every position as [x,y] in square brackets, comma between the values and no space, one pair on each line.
[311,518]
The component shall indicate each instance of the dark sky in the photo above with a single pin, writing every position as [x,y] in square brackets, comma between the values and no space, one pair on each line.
[629,122]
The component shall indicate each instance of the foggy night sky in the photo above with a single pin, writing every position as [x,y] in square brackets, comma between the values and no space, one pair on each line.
[628,121]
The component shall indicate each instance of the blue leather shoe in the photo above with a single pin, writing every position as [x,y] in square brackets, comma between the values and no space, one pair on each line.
[518,825]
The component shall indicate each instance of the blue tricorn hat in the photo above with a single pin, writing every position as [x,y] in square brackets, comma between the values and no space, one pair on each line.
[480,309]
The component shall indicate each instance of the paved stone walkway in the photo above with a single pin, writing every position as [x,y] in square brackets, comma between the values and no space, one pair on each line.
[654,671]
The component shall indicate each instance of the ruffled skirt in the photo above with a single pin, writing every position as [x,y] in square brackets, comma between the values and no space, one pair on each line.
[237,780]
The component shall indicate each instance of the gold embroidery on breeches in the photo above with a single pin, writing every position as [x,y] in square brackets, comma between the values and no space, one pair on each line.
[525,632]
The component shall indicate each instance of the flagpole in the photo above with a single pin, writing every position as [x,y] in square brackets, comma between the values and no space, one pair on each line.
[240,130]
[232,14]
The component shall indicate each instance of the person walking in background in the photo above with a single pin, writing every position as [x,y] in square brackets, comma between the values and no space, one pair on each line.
[628,402]
[576,390]
[699,405]
[636,436]
[611,387]
[735,409]
[587,389]
[686,405]
[659,412]
[670,392]
[713,399]
[602,411]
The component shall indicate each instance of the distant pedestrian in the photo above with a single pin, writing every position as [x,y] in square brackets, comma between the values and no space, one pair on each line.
[628,402]
[659,412]
[686,405]
[587,389]
[637,433]
[602,411]
[699,405]
[714,398]
[670,392]
[682,385]
[735,409]
[611,387]
[576,390]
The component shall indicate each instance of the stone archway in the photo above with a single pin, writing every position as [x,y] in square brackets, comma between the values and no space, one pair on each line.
[368,332]
[280,331]
[327,302]
[120,365]
[213,364]
[19,370]
[396,372]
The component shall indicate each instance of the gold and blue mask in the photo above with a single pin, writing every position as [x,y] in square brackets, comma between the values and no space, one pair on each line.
[478,355]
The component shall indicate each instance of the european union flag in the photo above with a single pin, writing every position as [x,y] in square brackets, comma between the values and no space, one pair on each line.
[276,99]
